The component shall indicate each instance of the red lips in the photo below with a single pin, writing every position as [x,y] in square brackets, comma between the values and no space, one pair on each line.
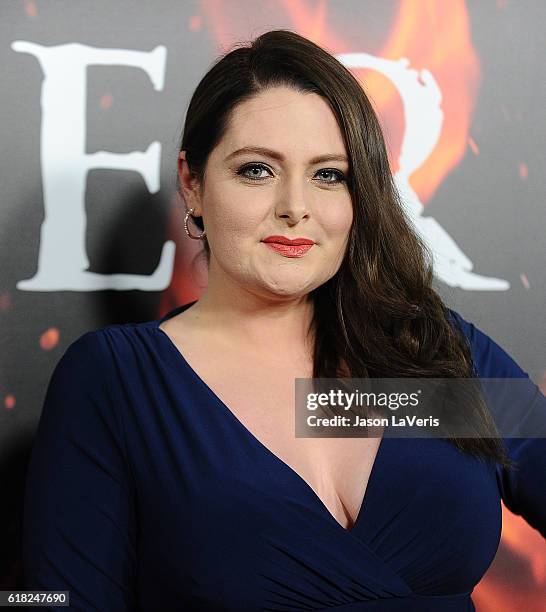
[288,241]
[295,247]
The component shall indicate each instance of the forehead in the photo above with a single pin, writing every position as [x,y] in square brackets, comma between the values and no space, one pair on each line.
[286,120]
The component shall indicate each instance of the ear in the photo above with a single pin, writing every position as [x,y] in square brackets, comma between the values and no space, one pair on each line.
[189,185]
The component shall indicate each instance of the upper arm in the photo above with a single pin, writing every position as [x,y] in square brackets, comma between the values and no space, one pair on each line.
[79,525]
[523,490]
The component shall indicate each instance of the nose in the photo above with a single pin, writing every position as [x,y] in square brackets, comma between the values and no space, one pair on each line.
[291,203]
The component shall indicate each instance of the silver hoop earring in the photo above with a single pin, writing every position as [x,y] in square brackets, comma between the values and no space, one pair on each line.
[201,235]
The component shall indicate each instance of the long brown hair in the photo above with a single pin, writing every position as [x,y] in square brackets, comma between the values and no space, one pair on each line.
[378,316]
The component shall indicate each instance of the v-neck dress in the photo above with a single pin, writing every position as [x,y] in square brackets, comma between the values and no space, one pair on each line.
[145,492]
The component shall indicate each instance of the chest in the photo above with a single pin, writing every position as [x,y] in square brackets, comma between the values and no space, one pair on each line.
[223,523]
[261,395]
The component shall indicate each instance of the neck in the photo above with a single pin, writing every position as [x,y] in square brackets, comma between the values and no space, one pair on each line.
[254,320]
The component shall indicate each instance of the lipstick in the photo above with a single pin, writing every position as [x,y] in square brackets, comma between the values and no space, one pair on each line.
[288,247]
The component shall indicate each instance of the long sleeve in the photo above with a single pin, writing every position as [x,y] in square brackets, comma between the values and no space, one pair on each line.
[79,524]
[523,491]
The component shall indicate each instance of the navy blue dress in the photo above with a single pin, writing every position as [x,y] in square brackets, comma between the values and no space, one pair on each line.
[145,492]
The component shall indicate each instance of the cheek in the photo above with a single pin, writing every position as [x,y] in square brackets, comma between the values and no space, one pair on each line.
[234,216]
[336,219]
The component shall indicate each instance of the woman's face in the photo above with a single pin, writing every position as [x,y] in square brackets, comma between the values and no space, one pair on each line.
[251,195]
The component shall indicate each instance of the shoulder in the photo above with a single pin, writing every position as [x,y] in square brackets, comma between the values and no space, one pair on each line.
[96,363]
[98,348]
[490,359]
[79,407]
[83,362]
[87,361]
[80,361]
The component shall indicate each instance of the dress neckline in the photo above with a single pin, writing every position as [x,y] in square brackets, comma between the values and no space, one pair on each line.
[376,465]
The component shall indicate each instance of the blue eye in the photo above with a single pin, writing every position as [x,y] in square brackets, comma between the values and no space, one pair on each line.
[340,177]
[242,171]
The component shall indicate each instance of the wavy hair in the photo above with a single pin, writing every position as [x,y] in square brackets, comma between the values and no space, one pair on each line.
[378,316]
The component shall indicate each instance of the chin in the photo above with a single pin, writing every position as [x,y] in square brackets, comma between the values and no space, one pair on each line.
[293,290]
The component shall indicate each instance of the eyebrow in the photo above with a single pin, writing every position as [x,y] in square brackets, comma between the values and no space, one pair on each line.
[280,157]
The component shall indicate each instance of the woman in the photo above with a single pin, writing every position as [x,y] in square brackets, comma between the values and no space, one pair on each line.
[166,474]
